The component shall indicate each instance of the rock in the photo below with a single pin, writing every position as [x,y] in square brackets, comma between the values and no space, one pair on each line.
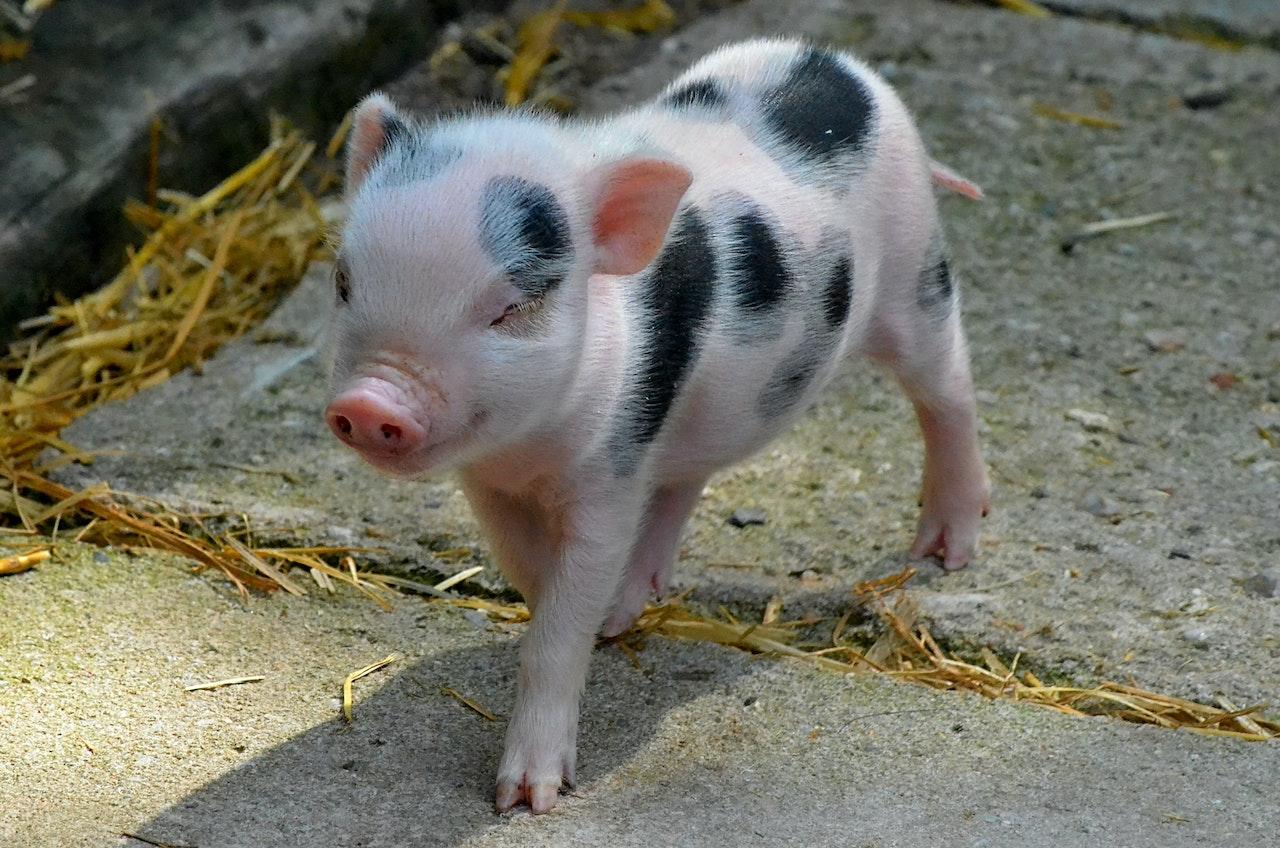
[1208,97]
[1264,584]
[1198,636]
[1099,505]
[1093,422]
[747,517]
[1164,341]
[212,72]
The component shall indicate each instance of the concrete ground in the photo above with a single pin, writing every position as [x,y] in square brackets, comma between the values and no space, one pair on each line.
[1130,392]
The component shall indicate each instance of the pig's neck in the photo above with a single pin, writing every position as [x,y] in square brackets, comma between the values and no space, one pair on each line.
[568,448]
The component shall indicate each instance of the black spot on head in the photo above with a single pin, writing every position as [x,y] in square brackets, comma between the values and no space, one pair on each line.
[837,293]
[934,289]
[411,154]
[526,231]
[821,109]
[676,295]
[699,93]
[394,129]
[791,378]
[760,276]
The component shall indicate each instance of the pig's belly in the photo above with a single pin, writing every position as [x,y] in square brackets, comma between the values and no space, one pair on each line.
[728,413]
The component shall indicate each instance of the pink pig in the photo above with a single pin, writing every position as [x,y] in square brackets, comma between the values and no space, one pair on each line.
[587,319]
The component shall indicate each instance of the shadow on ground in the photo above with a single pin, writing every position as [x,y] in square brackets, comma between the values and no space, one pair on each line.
[412,762]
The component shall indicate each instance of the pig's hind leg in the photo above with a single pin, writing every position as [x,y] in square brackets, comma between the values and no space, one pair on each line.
[649,568]
[918,334]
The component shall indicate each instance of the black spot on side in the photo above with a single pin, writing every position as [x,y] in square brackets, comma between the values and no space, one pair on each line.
[934,289]
[791,378]
[526,231]
[760,276]
[821,109]
[699,93]
[837,293]
[677,295]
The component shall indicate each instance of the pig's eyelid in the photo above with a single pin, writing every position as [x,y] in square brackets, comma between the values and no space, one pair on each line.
[520,308]
[525,306]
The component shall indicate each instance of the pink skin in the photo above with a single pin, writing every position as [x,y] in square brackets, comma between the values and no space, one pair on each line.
[375,418]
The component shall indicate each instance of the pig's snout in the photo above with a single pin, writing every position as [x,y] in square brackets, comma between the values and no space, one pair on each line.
[374,418]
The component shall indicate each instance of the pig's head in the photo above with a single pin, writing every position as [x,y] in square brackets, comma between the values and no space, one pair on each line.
[461,283]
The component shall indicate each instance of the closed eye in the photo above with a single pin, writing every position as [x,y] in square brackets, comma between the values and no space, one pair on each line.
[516,310]
[342,284]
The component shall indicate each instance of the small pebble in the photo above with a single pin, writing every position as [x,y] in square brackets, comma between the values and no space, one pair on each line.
[1093,422]
[1099,505]
[101,559]
[1164,341]
[1208,97]
[747,517]
[1264,584]
[1197,636]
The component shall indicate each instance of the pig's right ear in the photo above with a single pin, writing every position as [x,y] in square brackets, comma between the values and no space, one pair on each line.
[375,123]
[635,203]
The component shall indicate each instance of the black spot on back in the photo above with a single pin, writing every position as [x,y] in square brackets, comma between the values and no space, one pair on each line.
[837,293]
[526,231]
[760,276]
[934,289]
[821,109]
[676,295]
[703,93]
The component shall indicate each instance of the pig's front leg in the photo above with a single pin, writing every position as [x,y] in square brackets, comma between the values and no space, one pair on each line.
[569,600]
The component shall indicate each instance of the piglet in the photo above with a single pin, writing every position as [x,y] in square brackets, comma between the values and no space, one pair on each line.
[586,319]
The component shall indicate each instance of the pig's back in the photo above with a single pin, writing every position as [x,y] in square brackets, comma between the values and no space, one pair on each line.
[810,187]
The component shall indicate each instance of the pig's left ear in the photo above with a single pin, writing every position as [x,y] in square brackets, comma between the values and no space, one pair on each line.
[375,124]
[634,205]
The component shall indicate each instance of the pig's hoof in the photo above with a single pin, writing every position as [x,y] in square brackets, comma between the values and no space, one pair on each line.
[951,531]
[536,786]
[631,602]
[621,619]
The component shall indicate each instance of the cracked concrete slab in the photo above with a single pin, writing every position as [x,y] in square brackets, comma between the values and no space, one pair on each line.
[1121,546]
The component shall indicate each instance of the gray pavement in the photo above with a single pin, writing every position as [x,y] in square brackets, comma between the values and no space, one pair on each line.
[1126,546]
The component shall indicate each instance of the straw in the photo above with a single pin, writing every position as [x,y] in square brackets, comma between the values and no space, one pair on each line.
[230,681]
[356,675]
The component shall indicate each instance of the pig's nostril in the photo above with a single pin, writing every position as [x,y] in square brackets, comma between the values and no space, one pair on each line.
[343,423]
[391,432]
